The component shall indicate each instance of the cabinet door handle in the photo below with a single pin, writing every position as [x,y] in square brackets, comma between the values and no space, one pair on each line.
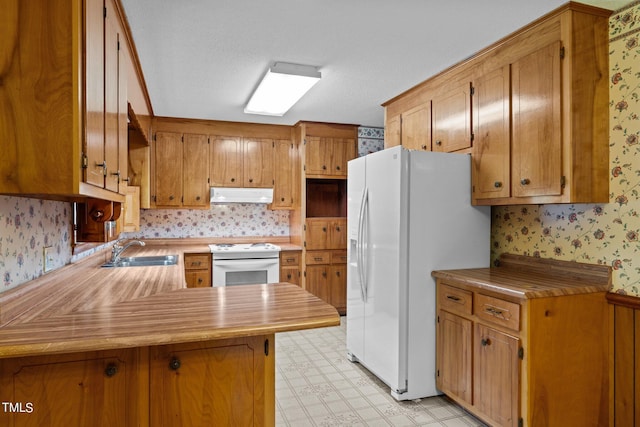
[497,184]
[324,274]
[174,364]
[338,273]
[485,342]
[288,275]
[171,197]
[337,167]
[324,229]
[250,179]
[111,370]
[233,180]
[525,181]
[438,142]
[494,311]
[338,228]
[199,279]
[453,298]
[198,198]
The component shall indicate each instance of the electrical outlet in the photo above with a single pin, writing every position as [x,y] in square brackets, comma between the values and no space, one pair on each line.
[47,264]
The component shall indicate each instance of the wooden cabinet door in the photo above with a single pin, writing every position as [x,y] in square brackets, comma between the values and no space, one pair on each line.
[338,287]
[317,156]
[337,238]
[491,158]
[198,278]
[452,119]
[168,169]
[454,355]
[111,101]
[393,131]
[496,375]
[316,234]
[290,274]
[416,128]
[94,92]
[208,383]
[258,162]
[536,121]
[83,389]
[225,161]
[342,150]
[284,174]
[131,209]
[317,281]
[196,171]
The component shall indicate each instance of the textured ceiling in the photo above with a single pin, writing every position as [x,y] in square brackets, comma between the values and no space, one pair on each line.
[202,58]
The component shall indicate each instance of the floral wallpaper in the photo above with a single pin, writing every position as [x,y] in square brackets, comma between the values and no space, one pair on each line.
[232,220]
[370,140]
[598,234]
[26,227]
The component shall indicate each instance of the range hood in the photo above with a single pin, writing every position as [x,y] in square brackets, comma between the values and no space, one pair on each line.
[241,195]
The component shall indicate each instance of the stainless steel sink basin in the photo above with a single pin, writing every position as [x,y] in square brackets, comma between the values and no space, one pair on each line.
[143,261]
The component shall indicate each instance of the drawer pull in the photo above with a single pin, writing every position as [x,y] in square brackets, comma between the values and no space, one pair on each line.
[494,311]
[454,298]
[485,342]
[317,258]
[290,259]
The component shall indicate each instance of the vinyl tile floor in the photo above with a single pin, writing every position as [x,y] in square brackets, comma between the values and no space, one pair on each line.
[317,386]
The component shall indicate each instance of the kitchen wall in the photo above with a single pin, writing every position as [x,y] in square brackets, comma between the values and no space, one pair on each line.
[370,140]
[604,233]
[26,227]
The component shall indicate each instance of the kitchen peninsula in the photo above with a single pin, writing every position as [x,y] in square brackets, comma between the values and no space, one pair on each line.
[134,346]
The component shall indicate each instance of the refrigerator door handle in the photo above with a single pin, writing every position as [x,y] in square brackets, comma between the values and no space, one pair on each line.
[365,245]
[359,246]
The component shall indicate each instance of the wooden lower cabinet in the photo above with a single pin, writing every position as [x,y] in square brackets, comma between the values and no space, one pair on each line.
[290,266]
[212,383]
[223,383]
[326,277]
[85,389]
[523,361]
[197,270]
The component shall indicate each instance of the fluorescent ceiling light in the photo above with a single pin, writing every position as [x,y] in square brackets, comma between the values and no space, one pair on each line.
[282,86]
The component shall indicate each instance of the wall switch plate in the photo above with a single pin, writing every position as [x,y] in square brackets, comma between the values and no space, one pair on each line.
[47,264]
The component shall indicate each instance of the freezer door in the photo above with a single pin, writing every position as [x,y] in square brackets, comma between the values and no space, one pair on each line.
[385,310]
[356,174]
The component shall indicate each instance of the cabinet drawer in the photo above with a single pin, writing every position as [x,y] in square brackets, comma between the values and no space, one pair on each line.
[454,299]
[498,311]
[197,261]
[318,257]
[290,258]
[339,257]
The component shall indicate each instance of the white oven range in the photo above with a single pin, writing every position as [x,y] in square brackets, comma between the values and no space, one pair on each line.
[245,263]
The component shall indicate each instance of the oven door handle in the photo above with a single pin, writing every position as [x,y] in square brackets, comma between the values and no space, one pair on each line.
[244,264]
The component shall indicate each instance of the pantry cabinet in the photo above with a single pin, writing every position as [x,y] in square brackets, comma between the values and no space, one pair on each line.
[181,171]
[514,342]
[64,100]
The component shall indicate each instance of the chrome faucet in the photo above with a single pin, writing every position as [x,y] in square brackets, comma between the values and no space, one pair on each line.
[118,248]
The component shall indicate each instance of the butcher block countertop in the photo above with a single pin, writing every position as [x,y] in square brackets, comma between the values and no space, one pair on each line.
[84,307]
[524,277]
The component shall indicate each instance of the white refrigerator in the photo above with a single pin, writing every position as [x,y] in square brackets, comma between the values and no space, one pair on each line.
[409,213]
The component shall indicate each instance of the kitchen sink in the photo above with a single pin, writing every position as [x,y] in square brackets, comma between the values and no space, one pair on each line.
[143,261]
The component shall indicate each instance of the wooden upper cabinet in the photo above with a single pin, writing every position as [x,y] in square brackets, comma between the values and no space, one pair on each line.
[325,156]
[226,161]
[393,131]
[241,162]
[285,174]
[168,169]
[416,128]
[451,112]
[490,162]
[94,84]
[258,162]
[195,175]
[537,125]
